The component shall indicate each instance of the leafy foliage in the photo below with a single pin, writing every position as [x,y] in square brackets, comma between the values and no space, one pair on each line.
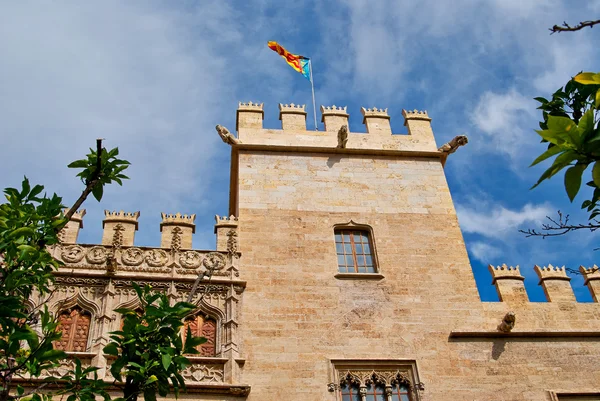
[30,222]
[149,349]
[570,127]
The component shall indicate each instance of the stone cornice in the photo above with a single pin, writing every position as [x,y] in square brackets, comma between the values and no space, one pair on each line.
[349,151]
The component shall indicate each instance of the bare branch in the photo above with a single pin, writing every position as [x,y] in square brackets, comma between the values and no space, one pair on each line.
[89,185]
[560,226]
[567,28]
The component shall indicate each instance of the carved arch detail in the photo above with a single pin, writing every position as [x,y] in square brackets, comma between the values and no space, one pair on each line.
[77,299]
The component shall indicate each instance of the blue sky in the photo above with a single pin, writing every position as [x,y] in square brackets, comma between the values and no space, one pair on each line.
[154,78]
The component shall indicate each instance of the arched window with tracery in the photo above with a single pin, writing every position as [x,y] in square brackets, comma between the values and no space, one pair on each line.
[203,326]
[74,323]
[375,386]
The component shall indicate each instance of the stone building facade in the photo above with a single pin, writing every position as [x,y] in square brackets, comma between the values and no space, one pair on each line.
[341,274]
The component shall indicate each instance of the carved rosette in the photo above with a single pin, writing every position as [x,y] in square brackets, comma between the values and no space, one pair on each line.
[204,373]
[190,260]
[72,254]
[96,255]
[133,257]
[156,257]
[214,261]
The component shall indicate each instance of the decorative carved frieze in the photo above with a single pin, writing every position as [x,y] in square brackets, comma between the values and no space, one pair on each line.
[148,260]
[204,373]
[72,253]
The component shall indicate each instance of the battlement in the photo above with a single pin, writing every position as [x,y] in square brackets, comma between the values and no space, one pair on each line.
[551,272]
[249,115]
[126,217]
[226,230]
[591,276]
[293,132]
[509,283]
[554,281]
[69,233]
[506,272]
[292,116]
[226,220]
[176,229]
[178,219]
[415,115]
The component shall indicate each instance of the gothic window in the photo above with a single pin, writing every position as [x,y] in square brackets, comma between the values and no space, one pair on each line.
[384,381]
[374,386]
[354,250]
[203,326]
[75,326]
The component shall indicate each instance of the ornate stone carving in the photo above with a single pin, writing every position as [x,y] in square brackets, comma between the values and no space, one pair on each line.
[63,367]
[133,257]
[197,373]
[117,240]
[176,240]
[214,261]
[190,260]
[156,257]
[226,136]
[342,137]
[455,143]
[96,255]
[373,377]
[72,253]
[232,245]
[508,323]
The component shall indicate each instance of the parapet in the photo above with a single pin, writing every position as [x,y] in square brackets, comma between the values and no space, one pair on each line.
[293,116]
[555,282]
[376,120]
[119,228]
[509,283]
[592,280]
[177,228]
[225,228]
[249,115]
[333,117]
[68,235]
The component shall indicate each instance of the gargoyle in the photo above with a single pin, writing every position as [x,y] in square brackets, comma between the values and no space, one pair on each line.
[508,322]
[226,136]
[342,137]
[455,143]
[451,147]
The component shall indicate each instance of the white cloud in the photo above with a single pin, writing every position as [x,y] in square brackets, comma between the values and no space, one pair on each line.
[484,252]
[500,222]
[504,121]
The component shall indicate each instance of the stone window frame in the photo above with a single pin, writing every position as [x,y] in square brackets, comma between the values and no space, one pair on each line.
[351,225]
[383,372]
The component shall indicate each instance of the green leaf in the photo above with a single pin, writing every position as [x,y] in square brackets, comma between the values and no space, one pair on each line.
[597,102]
[596,174]
[573,180]
[557,138]
[151,379]
[587,78]
[97,191]
[166,361]
[548,153]
[586,123]
[111,349]
[560,124]
[78,164]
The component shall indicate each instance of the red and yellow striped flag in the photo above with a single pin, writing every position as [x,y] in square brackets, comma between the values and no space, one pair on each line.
[297,62]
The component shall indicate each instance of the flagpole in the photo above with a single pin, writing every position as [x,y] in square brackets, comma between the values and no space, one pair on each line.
[312,85]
